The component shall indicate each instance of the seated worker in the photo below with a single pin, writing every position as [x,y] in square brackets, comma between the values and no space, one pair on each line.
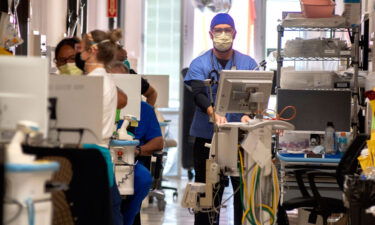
[66,62]
[146,89]
[98,49]
[150,137]
[65,55]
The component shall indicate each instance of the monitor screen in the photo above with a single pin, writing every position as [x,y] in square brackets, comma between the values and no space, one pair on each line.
[79,104]
[243,91]
[161,86]
[130,84]
[314,108]
[23,92]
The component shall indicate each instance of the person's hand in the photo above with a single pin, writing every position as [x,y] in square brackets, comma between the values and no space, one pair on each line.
[220,119]
[245,119]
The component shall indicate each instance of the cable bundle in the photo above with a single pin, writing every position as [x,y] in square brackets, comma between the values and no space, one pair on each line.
[253,204]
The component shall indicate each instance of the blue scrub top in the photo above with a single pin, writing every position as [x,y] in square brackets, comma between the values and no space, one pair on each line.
[200,69]
[148,126]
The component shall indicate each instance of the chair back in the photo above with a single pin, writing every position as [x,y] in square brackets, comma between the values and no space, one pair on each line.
[188,111]
[349,163]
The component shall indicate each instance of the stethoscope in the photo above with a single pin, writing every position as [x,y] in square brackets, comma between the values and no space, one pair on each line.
[215,71]
[211,81]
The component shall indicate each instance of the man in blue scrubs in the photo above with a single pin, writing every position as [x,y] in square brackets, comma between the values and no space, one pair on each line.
[207,66]
[149,135]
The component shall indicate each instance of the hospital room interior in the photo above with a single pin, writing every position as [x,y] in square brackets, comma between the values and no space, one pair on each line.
[177,112]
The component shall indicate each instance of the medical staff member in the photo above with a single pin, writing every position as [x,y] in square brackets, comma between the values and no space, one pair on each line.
[221,57]
[65,55]
[146,89]
[149,134]
[98,50]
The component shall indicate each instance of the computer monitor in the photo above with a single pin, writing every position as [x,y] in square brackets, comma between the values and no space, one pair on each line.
[243,91]
[23,93]
[130,84]
[161,85]
[79,104]
[314,108]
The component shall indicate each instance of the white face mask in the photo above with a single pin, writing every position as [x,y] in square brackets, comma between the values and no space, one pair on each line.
[223,42]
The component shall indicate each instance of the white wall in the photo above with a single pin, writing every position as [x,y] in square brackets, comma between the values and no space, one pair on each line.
[56,22]
[187,33]
[260,31]
[134,30]
[48,17]
[97,15]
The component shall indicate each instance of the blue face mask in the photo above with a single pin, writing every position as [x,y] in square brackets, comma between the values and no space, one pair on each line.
[127,63]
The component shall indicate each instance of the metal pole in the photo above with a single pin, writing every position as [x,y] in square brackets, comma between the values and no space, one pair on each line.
[280,34]
[216,127]
[355,63]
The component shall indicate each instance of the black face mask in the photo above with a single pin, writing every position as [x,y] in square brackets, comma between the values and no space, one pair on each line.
[79,62]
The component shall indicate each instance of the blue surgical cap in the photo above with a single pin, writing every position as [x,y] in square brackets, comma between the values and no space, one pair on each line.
[222,18]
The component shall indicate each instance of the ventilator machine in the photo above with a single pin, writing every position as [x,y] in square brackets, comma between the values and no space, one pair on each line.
[122,150]
[26,200]
[242,149]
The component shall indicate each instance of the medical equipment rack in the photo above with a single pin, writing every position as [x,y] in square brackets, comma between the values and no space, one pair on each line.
[353,58]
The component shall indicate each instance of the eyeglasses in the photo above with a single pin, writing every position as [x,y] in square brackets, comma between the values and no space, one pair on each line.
[227,30]
[64,60]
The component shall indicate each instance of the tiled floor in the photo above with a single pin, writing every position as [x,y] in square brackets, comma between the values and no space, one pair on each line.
[174,214]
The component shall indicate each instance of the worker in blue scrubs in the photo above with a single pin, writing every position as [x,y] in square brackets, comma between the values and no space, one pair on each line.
[149,135]
[207,66]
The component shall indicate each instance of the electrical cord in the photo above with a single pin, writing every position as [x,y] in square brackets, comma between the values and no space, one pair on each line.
[126,176]
[217,190]
[234,191]
[250,213]
[255,170]
[215,209]
[18,213]
[252,191]
[231,196]
[242,180]
[279,115]
[271,210]
[30,206]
